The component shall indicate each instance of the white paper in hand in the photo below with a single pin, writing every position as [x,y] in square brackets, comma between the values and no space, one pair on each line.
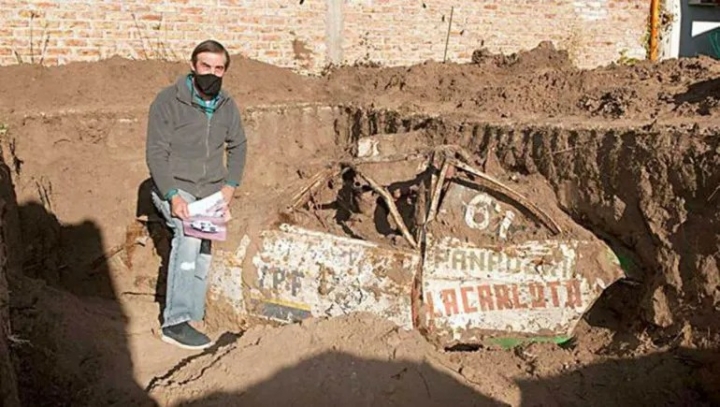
[208,218]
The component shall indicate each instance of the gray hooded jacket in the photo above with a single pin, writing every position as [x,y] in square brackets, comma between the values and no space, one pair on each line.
[186,142]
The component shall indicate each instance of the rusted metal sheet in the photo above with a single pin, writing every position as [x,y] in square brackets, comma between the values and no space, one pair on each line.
[298,273]
[536,288]
[226,282]
[491,269]
[484,217]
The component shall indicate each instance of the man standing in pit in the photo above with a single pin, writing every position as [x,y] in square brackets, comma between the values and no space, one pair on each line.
[192,124]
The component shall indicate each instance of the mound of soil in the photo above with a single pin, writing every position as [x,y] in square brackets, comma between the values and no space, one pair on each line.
[543,57]
[539,84]
[121,84]
[529,85]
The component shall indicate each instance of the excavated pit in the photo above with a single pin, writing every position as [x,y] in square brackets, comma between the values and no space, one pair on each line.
[650,192]
[86,307]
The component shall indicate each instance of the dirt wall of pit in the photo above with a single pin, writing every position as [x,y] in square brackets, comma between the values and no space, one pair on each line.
[8,266]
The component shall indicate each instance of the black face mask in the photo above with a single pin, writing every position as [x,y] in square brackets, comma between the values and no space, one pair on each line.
[208,84]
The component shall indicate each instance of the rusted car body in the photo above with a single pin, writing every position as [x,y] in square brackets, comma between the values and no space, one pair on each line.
[452,252]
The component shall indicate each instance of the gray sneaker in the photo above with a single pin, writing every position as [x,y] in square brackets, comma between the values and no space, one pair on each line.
[185,336]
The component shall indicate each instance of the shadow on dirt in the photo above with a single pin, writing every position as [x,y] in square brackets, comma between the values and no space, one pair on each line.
[73,347]
[161,237]
[69,257]
[680,377]
[339,379]
[702,95]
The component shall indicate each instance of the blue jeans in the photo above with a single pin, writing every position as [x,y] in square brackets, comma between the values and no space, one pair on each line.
[188,267]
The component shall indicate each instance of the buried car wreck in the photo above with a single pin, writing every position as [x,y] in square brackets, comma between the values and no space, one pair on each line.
[426,240]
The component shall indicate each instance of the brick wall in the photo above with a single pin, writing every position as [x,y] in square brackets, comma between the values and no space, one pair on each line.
[307,36]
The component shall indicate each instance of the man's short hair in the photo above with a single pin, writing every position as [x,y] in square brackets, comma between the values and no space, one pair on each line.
[210,46]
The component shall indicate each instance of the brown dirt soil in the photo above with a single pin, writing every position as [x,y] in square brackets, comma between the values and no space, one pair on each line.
[354,360]
[120,84]
[540,84]
[630,153]
[360,360]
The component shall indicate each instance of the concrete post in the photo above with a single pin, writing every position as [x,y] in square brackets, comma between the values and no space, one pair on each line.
[334,29]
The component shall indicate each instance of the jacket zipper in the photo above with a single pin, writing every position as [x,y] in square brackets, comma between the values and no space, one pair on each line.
[207,146]
[207,133]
